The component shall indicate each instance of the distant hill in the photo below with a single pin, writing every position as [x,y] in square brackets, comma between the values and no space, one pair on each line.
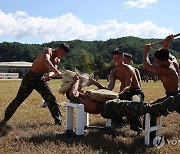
[86,56]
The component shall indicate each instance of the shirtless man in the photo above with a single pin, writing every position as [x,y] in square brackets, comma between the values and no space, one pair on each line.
[128,60]
[166,67]
[43,69]
[130,88]
[127,76]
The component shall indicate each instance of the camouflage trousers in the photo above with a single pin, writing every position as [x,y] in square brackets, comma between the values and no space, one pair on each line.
[138,96]
[134,95]
[168,95]
[30,82]
[175,94]
[117,108]
[153,118]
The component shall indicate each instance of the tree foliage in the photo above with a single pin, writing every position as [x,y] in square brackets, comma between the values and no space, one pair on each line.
[86,56]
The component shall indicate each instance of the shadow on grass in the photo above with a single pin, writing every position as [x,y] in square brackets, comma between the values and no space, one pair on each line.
[118,141]
[27,126]
[5,130]
[97,139]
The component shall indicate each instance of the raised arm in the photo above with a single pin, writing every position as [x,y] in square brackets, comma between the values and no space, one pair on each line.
[172,58]
[167,41]
[146,62]
[152,68]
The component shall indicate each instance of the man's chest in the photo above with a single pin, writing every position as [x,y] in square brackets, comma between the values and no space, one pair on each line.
[121,76]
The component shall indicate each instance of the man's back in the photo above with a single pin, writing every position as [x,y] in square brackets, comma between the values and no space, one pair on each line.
[170,79]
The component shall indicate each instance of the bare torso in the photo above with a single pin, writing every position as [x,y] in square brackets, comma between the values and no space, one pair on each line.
[90,104]
[124,72]
[170,81]
[39,63]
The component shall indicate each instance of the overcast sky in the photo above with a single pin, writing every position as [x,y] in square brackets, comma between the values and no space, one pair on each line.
[40,21]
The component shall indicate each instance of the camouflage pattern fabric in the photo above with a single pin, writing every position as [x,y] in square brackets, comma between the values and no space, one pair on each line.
[174,94]
[168,95]
[30,82]
[129,95]
[118,108]
[138,96]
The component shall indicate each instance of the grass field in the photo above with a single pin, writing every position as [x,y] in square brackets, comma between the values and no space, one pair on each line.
[32,130]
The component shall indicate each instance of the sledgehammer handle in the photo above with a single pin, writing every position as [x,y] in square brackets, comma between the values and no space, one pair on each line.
[161,41]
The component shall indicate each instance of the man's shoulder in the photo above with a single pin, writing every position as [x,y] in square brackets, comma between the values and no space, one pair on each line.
[128,68]
[48,49]
[174,67]
[136,69]
[165,71]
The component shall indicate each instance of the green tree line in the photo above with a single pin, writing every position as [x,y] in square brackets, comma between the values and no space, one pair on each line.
[86,56]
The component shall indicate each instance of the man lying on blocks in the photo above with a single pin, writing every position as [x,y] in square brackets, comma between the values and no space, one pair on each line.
[108,104]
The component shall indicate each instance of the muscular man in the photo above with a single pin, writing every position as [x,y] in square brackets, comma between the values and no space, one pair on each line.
[130,88]
[43,69]
[128,60]
[166,67]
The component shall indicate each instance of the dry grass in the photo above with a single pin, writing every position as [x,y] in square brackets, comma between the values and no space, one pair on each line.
[31,129]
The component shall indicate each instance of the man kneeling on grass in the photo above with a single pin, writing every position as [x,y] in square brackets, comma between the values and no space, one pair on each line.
[116,108]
